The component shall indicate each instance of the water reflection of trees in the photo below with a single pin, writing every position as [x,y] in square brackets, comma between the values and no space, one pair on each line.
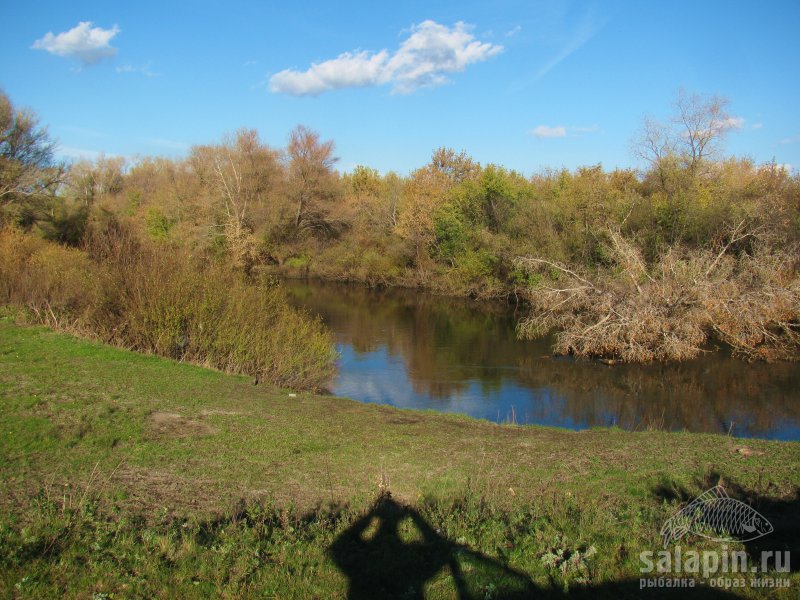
[701,395]
[448,344]
[445,343]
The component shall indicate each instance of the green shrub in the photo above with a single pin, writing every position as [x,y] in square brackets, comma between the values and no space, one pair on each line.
[451,233]
[298,262]
[475,265]
[158,224]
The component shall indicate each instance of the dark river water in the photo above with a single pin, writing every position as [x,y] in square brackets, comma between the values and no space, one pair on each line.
[410,349]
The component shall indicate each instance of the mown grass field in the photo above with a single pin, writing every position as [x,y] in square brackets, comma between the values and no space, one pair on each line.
[125,475]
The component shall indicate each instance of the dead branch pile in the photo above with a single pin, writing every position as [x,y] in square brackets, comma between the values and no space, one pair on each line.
[667,311]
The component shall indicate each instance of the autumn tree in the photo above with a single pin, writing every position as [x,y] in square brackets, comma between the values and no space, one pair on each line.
[313,184]
[243,174]
[455,167]
[86,180]
[29,175]
[425,193]
[363,198]
[372,201]
[84,183]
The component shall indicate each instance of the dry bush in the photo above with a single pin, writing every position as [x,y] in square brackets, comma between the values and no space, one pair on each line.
[141,297]
[53,282]
[636,313]
[212,316]
[757,312]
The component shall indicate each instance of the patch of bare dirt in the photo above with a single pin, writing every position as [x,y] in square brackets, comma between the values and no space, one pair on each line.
[150,489]
[176,425]
[212,412]
[745,451]
[402,421]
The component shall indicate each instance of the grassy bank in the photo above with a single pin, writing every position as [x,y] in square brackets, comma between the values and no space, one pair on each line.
[126,475]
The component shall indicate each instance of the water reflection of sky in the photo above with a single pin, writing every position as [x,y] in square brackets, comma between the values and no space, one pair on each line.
[381,378]
[414,351]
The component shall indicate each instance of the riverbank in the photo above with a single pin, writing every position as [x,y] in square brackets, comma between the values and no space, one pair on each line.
[436,283]
[122,473]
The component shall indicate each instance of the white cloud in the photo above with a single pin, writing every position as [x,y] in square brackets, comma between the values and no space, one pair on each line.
[143,70]
[347,70]
[545,131]
[756,125]
[730,123]
[589,129]
[84,42]
[423,60]
[560,131]
[514,31]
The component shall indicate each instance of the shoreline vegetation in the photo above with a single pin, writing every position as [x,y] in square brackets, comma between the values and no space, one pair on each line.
[622,265]
[132,475]
[121,292]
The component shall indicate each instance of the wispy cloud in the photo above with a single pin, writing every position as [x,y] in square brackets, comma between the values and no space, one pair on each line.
[424,59]
[546,131]
[717,126]
[586,30]
[77,153]
[84,131]
[561,131]
[589,129]
[789,140]
[143,70]
[88,44]
[756,126]
[165,143]
[513,32]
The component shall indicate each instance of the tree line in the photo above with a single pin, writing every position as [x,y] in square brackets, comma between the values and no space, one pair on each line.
[629,264]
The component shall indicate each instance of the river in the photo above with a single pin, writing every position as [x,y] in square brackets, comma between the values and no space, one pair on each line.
[411,349]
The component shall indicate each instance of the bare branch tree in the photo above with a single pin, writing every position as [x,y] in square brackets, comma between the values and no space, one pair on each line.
[703,123]
[692,136]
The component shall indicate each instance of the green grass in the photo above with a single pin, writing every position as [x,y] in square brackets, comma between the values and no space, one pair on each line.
[135,476]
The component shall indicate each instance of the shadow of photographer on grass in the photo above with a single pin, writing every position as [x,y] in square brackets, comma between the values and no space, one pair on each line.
[393,552]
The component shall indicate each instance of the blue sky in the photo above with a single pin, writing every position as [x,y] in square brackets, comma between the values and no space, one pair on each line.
[393,83]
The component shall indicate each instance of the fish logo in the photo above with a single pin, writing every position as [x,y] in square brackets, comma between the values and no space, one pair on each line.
[718,517]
